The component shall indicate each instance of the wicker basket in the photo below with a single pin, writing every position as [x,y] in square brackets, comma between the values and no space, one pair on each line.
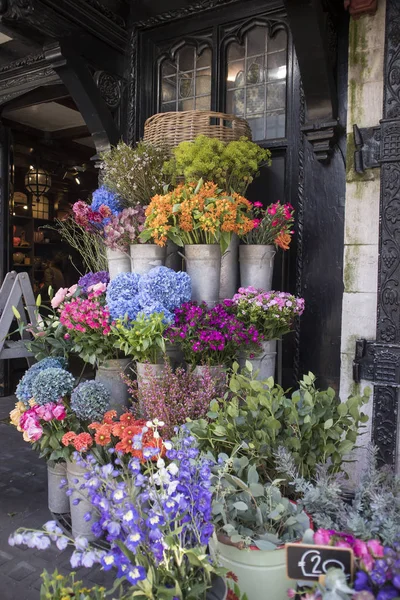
[172,128]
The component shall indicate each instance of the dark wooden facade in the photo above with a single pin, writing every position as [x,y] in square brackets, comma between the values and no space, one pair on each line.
[107,53]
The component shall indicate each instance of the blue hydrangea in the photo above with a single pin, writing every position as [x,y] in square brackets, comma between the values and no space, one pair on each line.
[51,385]
[103,196]
[90,401]
[24,387]
[92,278]
[165,287]
[156,307]
[122,296]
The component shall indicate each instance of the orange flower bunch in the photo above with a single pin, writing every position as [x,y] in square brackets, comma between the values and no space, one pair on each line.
[120,433]
[197,214]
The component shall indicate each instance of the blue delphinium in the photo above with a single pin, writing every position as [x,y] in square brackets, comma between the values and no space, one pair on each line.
[122,296]
[166,287]
[90,279]
[104,197]
[90,401]
[51,385]
[156,525]
[24,387]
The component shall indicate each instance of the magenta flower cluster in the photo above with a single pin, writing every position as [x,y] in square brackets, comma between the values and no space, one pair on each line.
[85,314]
[211,336]
[177,396]
[124,228]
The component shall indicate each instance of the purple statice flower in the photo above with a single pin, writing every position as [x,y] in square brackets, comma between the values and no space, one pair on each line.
[90,279]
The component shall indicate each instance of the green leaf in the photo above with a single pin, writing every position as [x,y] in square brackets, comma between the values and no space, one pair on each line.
[328,424]
[249,366]
[345,446]
[256,489]
[264,545]
[240,505]
[252,476]
[342,409]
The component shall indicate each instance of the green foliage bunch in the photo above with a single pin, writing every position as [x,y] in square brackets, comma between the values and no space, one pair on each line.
[142,339]
[232,166]
[252,513]
[135,174]
[257,417]
[373,513]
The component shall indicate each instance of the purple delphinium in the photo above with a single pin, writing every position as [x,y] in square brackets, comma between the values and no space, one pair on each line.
[211,335]
[90,279]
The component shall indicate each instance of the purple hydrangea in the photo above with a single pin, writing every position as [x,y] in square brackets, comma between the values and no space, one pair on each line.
[165,287]
[121,296]
[90,279]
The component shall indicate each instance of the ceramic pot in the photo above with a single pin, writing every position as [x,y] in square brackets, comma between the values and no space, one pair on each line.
[109,374]
[118,262]
[256,265]
[145,257]
[229,278]
[58,500]
[264,362]
[76,478]
[203,265]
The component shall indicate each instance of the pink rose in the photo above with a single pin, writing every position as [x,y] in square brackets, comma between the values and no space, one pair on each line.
[34,432]
[28,418]
[342,544]
[322,537]
[98,287]
[59,412]
[360,549]
[72,290]
[59,297]
[45,411]
[375,547]
[368,562]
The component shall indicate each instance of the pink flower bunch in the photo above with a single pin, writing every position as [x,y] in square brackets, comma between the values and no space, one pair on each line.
[62,294]
[365,552]
[272,225]
[30,419]
[85,314]
[124,228]
[176,397]
[88,218]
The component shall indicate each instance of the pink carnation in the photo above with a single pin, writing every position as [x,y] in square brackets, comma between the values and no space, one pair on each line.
[72,290]
[59,297]
[98,288]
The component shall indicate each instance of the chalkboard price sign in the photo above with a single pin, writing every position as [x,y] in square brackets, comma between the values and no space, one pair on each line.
[309,562]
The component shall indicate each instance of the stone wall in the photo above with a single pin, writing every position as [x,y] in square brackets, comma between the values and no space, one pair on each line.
[365,106]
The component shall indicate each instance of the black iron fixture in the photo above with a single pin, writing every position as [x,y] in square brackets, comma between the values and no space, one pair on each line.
[37,181]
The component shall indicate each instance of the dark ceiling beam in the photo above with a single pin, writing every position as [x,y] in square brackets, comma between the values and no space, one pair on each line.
[68,102]
[307,22]
[76,76]
[38,96]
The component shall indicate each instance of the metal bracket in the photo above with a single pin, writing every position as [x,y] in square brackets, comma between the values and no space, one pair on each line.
[368,148]
[376,362]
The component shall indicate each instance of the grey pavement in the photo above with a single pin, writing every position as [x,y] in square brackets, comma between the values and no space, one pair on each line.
[23,503]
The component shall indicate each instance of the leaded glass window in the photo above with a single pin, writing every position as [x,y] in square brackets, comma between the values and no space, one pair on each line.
[186,81]
[256,82]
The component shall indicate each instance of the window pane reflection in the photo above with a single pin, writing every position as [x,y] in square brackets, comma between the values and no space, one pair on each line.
[186,82]
[256,82]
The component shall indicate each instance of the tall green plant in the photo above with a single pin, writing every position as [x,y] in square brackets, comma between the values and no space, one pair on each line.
[257,417]
[232,166]
[91,248]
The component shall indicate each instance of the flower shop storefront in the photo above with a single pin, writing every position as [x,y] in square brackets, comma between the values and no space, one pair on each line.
[185,393]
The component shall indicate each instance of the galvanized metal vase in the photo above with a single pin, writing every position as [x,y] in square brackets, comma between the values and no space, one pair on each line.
[203,265]
[80,526]
[146,372]
[58,500]
[109,374]
[256,266]
[229,278]
[174,256]
[264,362]
[145,257]
[118,262]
